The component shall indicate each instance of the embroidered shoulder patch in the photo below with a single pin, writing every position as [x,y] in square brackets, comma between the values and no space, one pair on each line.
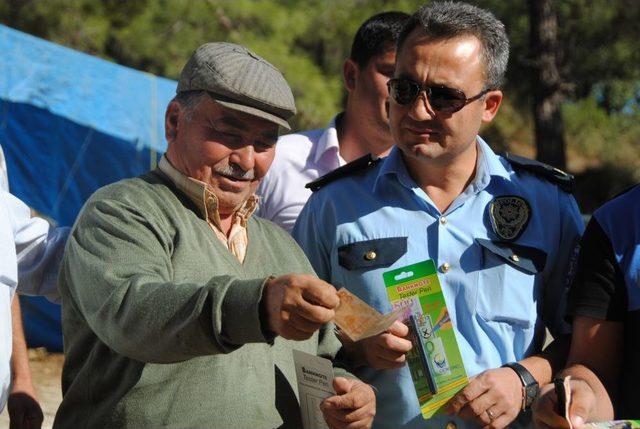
[509,216]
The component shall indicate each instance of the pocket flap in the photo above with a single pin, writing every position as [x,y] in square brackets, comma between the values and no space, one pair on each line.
[377,253]
[528,259]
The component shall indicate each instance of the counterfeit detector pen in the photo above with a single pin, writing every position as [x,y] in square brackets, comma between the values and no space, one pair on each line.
[424,360]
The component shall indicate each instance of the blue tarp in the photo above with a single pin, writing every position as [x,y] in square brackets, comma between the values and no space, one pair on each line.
[69,124]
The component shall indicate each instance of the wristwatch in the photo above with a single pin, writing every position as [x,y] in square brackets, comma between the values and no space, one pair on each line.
[530,386]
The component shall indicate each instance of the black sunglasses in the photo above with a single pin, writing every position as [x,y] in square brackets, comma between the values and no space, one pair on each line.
[441,98]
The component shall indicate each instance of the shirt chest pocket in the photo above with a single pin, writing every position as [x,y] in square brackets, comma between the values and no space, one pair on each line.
[370,254]
[361,264]
[507,287]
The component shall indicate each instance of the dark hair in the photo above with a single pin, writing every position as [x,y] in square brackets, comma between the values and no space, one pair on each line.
[375,35]
[446,19]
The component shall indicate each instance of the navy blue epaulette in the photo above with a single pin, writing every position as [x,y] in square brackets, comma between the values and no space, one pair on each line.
[359,164]
[564,180]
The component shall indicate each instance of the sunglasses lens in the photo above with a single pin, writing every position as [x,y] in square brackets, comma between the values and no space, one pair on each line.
[403,91]
[445,99]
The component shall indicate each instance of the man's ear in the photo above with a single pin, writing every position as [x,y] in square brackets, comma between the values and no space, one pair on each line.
[350,74]
[172,120]
[492,102]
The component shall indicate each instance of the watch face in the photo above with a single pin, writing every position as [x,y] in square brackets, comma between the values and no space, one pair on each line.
[532,392]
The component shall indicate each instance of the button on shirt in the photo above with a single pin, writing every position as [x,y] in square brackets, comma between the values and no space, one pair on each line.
[498,307]
[300,158]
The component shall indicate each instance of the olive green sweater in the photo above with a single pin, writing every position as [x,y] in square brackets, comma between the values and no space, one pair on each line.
[161,322]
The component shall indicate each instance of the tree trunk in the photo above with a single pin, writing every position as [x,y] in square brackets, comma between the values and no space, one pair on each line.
[547,96]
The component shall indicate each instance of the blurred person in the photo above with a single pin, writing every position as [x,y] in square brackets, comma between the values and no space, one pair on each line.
[604,306]
[361,129]
[23,407]
[179,309]
[22,403]
[501,230]
[30,252]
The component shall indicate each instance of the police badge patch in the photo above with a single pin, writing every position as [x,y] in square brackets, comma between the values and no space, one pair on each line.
[509,216]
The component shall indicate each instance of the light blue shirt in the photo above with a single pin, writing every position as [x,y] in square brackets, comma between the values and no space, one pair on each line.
[620,221]
[498,309]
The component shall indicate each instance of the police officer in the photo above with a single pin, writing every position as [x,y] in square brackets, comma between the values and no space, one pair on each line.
[604,305]
[502,231]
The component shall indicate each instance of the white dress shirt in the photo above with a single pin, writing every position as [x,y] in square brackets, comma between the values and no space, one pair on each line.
[19,233]
[30,250]
[300,158]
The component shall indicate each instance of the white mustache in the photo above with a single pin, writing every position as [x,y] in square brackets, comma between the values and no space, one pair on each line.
[233,170]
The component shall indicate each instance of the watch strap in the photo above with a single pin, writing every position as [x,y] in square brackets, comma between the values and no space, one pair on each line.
[529,384]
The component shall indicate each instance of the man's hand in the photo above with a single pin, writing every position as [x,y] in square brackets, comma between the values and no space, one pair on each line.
[387,350]
[492,399]
[545,409]
[22,405]
[297,305]
[353,406]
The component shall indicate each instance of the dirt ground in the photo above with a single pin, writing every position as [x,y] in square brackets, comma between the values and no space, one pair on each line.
[46,369]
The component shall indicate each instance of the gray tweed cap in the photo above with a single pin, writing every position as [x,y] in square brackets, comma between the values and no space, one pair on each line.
[239,79]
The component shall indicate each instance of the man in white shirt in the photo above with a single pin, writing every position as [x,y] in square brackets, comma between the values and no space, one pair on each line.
[363,128]
[31,251]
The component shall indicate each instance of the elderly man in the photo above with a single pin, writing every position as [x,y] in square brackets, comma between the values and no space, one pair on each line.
[361,129]
[178,309]
[501,231]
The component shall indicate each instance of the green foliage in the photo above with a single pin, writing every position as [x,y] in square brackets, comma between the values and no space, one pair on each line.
[601,137]
[309,39]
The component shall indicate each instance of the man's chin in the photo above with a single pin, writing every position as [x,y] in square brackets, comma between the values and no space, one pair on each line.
[232,199]
[425,150]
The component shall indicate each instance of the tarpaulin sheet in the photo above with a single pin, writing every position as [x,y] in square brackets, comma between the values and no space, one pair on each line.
[69,124]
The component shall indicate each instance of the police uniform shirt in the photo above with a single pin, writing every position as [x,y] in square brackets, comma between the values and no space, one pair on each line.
[607,284]
[502,273]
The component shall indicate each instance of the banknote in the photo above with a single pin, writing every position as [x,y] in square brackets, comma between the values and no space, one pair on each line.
[563,393]
[357,320]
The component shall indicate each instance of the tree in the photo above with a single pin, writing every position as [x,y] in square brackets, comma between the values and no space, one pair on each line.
[591,97]
[547,88]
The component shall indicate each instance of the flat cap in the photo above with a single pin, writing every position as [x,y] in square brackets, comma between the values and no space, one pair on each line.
[239,79]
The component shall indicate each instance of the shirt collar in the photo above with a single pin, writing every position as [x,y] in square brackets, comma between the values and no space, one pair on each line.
[393,164]
[488,164]
[201,194]
[328,141]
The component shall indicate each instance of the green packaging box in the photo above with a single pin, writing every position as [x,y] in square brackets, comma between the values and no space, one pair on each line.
[438,371]
[614,424]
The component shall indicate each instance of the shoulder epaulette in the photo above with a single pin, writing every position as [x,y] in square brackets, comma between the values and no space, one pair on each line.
[564,180]
[359,164]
